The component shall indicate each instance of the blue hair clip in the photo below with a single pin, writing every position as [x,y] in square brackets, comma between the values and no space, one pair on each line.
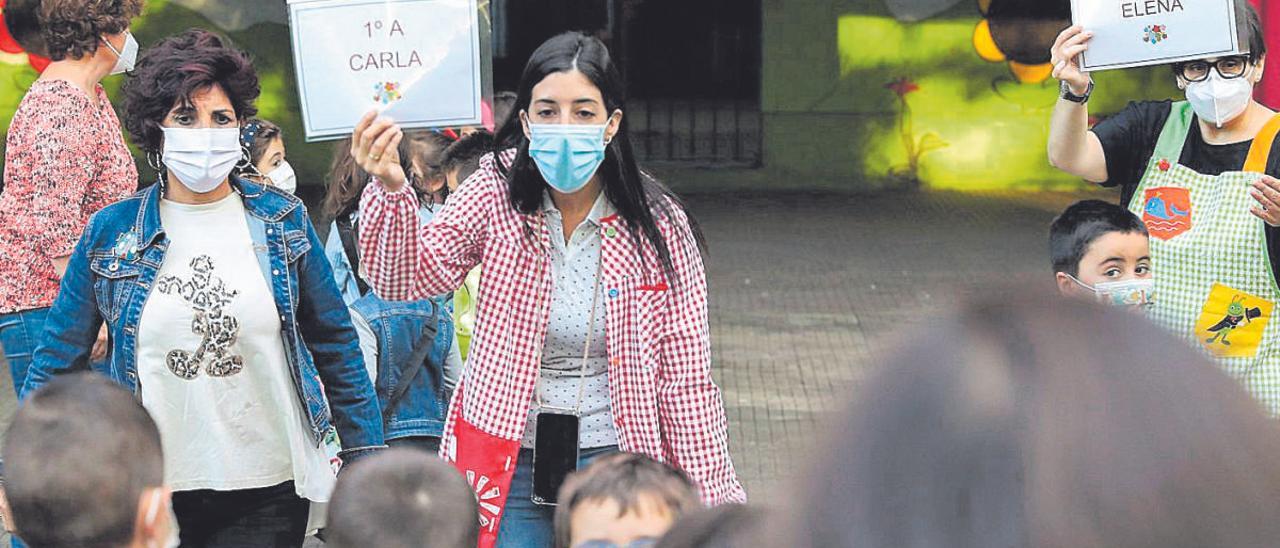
[248,134]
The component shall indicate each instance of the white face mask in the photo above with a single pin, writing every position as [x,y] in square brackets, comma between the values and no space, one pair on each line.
[1219,100]
[126,58]
[283,178]
[1137,292]
[173,539]
[201,159]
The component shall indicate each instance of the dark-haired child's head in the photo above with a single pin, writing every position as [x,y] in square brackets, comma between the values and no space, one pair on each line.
[621,499]
[462,158]
[1095,242]
[402,498]
[84,468]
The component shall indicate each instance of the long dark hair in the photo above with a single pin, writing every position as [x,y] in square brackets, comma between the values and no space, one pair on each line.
[347,180]
[639,198]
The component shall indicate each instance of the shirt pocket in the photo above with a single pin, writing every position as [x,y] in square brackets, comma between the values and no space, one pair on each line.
[296,245]
[114,281]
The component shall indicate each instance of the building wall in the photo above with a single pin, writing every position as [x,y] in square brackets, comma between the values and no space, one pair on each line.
[830,122]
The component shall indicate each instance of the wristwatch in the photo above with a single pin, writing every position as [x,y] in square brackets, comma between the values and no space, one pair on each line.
[1068,95]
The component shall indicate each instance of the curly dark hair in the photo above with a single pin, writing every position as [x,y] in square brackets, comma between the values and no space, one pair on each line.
[170,71]
[74,28]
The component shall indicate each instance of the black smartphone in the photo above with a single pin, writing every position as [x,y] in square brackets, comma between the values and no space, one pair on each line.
[555,455]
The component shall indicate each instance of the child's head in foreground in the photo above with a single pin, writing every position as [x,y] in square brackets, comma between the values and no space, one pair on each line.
[623,499]
[84,468]
[1100,251]
[402,498]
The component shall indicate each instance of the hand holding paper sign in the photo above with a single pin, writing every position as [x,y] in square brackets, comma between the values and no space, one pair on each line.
[416,61]
[1132,33]
[375,146]
[1065,58]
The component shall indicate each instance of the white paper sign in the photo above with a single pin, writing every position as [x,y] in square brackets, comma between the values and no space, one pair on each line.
[1132,33]
[417,61]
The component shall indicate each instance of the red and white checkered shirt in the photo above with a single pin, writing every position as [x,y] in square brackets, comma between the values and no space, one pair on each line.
[664,401]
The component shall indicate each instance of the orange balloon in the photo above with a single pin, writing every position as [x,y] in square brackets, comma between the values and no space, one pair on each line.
[1030,74]
[985,44]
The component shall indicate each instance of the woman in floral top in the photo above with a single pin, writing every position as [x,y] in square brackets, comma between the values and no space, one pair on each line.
[64,160]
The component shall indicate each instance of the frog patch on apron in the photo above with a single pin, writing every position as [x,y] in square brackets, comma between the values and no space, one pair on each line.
[1210,258]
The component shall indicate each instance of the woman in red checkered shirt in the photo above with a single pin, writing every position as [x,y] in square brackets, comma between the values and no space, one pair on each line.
[593,298]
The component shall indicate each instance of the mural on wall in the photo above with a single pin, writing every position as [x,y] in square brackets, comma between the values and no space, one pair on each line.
[988,100]
[1020,33]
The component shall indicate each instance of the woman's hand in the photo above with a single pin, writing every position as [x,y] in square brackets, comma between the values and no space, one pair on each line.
[375,146]
[1267,193]
[99,346]
[1065,57]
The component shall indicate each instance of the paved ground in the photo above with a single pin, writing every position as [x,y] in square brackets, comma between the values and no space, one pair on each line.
[805,287]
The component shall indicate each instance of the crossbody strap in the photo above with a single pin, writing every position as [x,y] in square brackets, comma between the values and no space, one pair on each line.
[417,362]
[348,232]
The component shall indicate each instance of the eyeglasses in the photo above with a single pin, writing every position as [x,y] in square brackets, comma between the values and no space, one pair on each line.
[647,542]
[1198,71]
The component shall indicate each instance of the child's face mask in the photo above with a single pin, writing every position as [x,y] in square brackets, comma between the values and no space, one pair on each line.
[1136,292]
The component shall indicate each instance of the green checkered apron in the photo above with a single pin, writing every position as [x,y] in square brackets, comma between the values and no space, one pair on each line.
[1214,284]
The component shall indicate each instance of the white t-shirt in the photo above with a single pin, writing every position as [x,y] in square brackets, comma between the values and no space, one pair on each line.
[211,362]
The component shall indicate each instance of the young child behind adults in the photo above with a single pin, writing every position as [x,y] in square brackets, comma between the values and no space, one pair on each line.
[84,468]
[623,499]
[266,163]
[402,498]
[1100,251]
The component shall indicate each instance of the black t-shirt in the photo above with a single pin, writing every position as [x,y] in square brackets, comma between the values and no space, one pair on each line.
[1129,140]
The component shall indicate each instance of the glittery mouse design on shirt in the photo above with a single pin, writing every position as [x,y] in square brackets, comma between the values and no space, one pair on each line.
[208,296]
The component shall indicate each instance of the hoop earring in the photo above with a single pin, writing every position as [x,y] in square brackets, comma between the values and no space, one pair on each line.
[153,160]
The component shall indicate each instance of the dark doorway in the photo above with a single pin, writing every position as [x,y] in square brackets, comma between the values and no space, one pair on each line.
[692,68]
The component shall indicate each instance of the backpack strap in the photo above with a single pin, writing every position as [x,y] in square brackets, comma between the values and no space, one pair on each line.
[417,361]
[348,232]
[1260,150]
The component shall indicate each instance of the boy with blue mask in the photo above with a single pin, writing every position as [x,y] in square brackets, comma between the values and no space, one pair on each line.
[1100,251]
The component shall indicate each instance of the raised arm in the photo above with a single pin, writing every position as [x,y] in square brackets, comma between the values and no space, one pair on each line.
[695,432]
[402,260]
[1072,147]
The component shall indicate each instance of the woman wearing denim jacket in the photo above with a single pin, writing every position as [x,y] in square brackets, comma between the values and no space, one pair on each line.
[223,314]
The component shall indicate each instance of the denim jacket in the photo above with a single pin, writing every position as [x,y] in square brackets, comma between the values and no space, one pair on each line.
[399,326]
[113,270]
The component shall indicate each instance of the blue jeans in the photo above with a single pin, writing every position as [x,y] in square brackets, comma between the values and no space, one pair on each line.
[525,524]
[20,335]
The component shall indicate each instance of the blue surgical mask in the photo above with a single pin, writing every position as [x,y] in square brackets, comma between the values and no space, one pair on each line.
[567,154]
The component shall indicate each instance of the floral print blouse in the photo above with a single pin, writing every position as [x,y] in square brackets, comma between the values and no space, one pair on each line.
[64,160]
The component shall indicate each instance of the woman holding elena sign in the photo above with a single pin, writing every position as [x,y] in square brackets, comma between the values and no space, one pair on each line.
[1201,174]
[591,334]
